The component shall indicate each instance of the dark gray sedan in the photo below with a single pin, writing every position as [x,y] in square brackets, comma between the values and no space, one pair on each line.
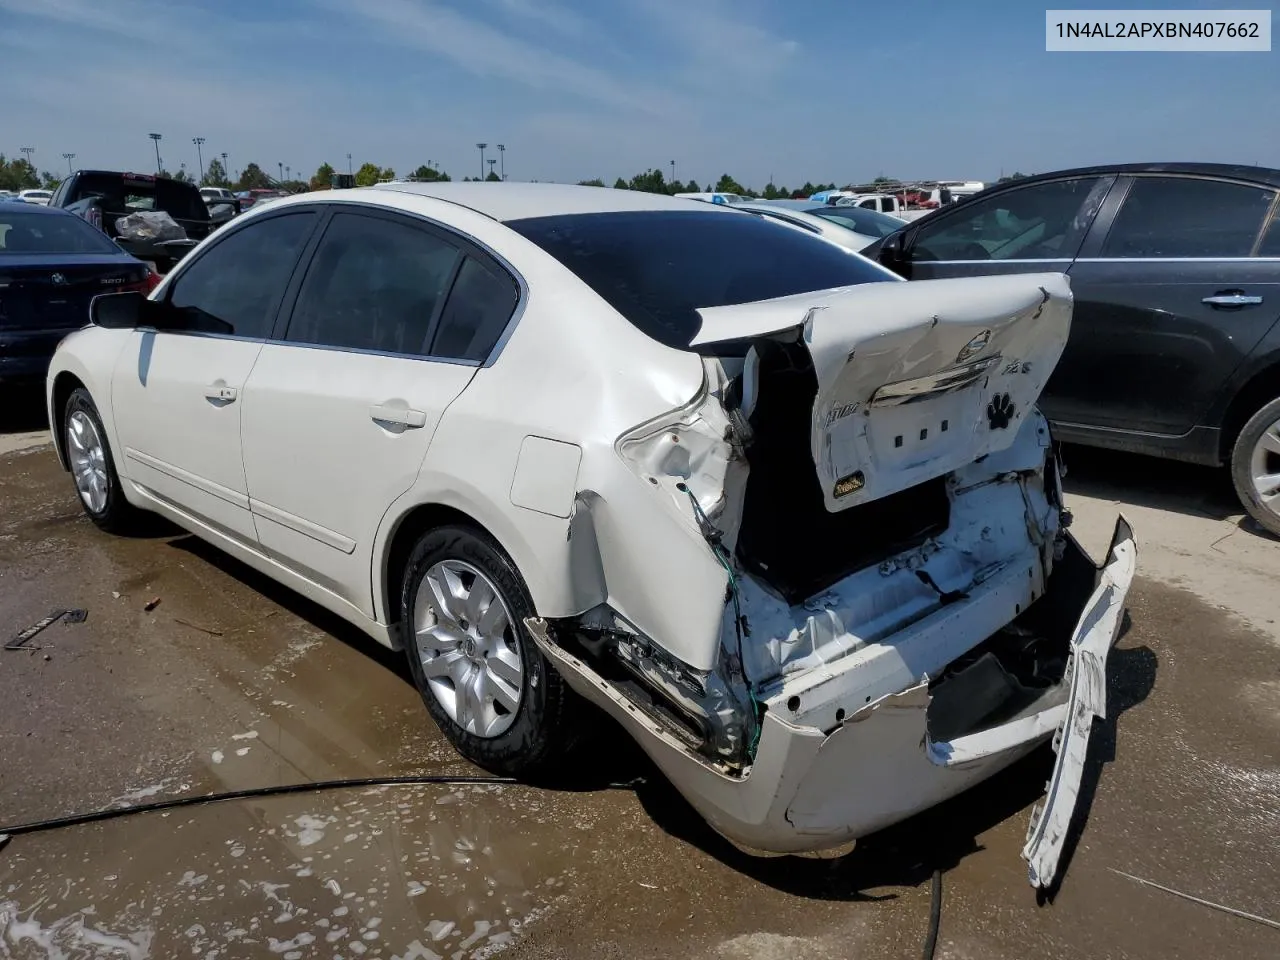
[1175,340]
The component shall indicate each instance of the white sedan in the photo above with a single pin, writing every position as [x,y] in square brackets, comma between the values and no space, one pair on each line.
[794,523]
[38,197]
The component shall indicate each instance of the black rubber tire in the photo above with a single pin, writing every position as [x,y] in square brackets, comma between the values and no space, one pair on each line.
[119,515]
[1241,473]
[540,734]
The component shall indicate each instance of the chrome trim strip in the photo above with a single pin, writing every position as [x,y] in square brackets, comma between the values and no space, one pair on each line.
[329,538]
[1033,260]
[1178,260]
[233,497]
[921,388]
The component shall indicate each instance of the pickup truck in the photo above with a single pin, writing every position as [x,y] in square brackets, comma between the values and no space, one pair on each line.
[105,198]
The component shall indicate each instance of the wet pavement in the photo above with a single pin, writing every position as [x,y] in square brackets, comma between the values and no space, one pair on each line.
[232,682]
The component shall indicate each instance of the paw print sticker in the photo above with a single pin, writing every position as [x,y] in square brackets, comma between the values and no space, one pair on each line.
[1000,411]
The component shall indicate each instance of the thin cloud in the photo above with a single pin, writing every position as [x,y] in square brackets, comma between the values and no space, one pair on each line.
[487,52]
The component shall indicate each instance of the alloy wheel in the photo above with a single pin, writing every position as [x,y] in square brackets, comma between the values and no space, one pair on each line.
[1264,468]
[468,647]
[88,458]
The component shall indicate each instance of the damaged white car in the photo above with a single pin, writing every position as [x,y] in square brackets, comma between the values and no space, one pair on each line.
[794,523]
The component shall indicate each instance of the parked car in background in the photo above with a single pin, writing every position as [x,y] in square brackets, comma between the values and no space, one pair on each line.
[828,229]
[249,198]
[1175,268]
[714,197]
[216,195]
[604,441]
[134,209]
[38,197]
[868,223]
[222,203]
[52,264]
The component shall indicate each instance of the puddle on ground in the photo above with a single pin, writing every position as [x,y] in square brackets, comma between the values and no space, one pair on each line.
[415,873]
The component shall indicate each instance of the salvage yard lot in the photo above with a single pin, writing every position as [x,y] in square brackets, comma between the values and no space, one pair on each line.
[232,682]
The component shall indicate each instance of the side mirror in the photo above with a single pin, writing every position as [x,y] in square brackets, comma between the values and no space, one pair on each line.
[893,254]
[117,311]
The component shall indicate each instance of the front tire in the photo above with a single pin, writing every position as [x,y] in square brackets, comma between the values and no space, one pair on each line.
[1255,466]
[481,676]
[93,468]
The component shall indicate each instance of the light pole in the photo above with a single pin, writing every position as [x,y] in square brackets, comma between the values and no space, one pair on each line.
[481,146]
[199,156]
[69,157]
[288,173]
[280,167]
[673,171]
[226,169]
[491,165]
[502,155]
[156,138]
[29,151]
[349,165]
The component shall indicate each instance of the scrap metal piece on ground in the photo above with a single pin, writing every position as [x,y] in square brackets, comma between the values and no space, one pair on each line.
[21,640]
[151,604]
[75,616]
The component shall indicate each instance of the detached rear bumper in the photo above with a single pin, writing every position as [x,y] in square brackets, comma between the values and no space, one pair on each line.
[810,789]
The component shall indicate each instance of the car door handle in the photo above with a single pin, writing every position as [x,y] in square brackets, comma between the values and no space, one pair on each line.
[1232,300]
[406,416]
[220,393]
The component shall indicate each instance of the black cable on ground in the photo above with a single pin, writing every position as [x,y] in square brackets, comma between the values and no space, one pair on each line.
[935,915]
[284,788]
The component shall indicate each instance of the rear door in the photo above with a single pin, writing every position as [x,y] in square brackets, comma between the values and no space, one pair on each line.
[178,396]
[388,327]
[1171,295]
[1024,229]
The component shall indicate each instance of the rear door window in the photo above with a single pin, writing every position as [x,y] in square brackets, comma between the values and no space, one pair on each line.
[1171,217]
[480,304]
[374,283]
[235,287]
[1042,221]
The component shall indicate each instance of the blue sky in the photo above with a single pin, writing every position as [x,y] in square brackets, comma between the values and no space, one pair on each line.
[817,90]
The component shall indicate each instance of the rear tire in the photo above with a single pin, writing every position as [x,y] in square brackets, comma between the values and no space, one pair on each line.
[93,469]
[1255,466]
[481,676]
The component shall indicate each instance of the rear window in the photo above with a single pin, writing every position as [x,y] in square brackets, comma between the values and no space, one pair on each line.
[657,267]
[49,233]
[869,223]
[124,195]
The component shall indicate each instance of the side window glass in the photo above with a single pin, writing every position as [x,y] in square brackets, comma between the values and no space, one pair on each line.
[479,307]
[1043,221]
[373,284]
[1187,217]
[1270,246]
[236,286]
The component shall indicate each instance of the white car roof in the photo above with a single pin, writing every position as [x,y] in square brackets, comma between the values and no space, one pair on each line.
[517,201]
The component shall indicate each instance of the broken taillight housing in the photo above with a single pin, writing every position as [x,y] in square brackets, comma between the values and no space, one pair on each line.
[686,453]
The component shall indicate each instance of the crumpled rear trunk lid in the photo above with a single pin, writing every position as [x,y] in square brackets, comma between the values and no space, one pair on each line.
[914,380]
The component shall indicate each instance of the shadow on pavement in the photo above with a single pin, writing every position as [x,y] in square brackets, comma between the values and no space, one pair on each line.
[1186,488]
[22,410]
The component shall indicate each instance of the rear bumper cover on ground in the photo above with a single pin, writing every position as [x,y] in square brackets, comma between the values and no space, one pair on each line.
[810,790]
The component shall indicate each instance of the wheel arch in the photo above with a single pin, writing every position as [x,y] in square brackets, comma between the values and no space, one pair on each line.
[411,517]
[1260,389]
[64,384]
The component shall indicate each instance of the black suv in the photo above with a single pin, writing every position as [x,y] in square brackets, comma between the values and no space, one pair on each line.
[103,197]
[1175,345]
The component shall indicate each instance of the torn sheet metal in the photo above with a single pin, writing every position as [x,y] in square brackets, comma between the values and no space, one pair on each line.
[1095,634]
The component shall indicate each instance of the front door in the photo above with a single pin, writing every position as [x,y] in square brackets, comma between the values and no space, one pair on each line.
[1171,296]
[338,418]
[178,395]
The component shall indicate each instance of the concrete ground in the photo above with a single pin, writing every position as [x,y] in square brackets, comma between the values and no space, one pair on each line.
[231,682]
